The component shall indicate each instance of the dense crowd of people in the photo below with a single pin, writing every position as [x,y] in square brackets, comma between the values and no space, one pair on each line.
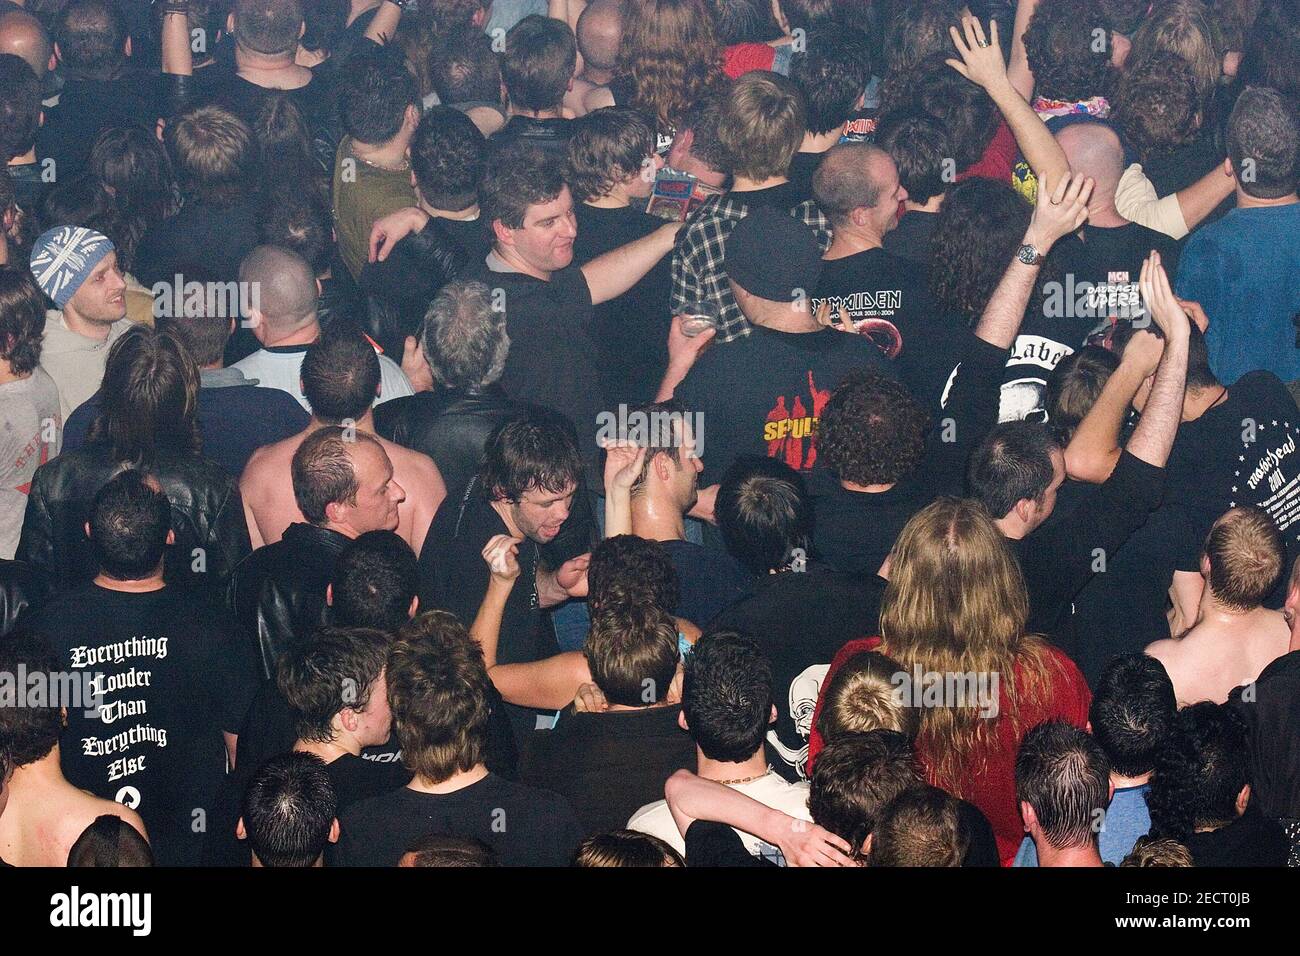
[649,433]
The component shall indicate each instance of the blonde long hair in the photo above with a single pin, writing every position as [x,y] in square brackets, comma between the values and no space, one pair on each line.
[672,55]
[956,603]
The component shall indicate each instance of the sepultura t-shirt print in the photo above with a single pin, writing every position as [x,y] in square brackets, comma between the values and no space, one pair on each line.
[763,395]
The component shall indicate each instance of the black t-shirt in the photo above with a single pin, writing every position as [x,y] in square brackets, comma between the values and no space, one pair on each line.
[524,826]
[610,765]
[1249,840]
[911,238]
[317,100]
[801,172]
[551,135]
[763,395]
[885,297]
[471,235]
[1101,269]
[173,673]
[202,240]
[86,107]
[1271,709]
[631,331]
[708,580]
[554,359]
[855,530]
[801,619]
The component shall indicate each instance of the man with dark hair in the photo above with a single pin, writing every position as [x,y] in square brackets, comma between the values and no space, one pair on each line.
[1235,637]
[20,118]
[340,374]
[288,817]
[1251,308]
[727,707]
[235,417]
[447,156]
[548,300]
[919,145]
[1131,718]
[379,106]
[529,480]
[696,148]
[608,763]
[831,70]
[284,320]
[44,814]
[465,72]
[179,668]
[342,481]
[464,341]
[920,827]
[214,155]
[376,582]
[1227,452]
[537,71]
[765,516]
[611,171]
[438,690]
[29,401]
[1063,785]
[93,50]
[1201,792]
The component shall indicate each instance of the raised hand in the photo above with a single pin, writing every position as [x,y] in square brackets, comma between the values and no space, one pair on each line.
[1059,211]
[1160,300]
[623,464]
[981,60]
[571,576]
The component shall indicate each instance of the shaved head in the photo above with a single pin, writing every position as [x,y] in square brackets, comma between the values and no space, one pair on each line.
[22,35]
[1094,150]
[283,286]
[851,176]
[600,30]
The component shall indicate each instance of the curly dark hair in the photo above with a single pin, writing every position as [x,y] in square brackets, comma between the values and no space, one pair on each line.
[631,569]
[978,231]
[1156,106]
[918,143]
[1064,54]
[872,431]
[607,147]
[1199,776]
[918,30]
[516,177]
[964,109]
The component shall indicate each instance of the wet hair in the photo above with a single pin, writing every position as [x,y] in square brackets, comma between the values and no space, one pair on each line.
[538,450]
[764,513]
[1063,774]
[1132,713]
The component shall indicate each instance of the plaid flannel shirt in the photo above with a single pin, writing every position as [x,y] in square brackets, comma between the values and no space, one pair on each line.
[697,271]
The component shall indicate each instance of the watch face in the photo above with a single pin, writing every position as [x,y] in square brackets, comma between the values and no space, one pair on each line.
[1028,255]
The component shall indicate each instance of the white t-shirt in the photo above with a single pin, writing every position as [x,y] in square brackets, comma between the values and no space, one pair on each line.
[281,367]
[31,429]
[771,790]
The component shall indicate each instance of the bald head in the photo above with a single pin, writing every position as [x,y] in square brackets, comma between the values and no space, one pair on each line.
[600,30]
[853,176]
[1094,150]
[1246,556]
[22,35]
[283,286]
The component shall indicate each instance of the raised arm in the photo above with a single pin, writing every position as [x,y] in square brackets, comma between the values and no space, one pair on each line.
[1154,436]
[692,798]
[623,464]
[612,274]
[1021,78]
[1058,212]
[177,58]
[383,27]
[981,63]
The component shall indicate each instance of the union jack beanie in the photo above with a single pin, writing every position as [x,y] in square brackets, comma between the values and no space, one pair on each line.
[64,256]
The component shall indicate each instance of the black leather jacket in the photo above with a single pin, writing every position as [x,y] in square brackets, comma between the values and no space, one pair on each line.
[207,518]
[400,288]
[21,586]
[451,426]
[277,593]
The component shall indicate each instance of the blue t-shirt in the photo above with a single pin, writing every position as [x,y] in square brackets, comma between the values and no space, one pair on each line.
[1245,272]
[1126,820]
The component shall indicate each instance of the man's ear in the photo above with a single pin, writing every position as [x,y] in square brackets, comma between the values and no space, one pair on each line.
[348,718]
[866,844]
[55,57]
[1028,816]
[159,128]
[40,118]
[302,30]
[334,830]
[479,19]
[1024,509]
[86,527]
[504,234]
[771,718]
[240,830]
[126,47]
[1205,566]
[171,536]
[681,720]
[1228,168]
[1243,799]
[230,24]
[329,594]
[413,117]
[414,609]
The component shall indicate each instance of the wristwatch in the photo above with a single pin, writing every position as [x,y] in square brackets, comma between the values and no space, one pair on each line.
[1029,254]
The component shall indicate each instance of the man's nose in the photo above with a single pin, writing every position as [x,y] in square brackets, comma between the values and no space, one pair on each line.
[398,493]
